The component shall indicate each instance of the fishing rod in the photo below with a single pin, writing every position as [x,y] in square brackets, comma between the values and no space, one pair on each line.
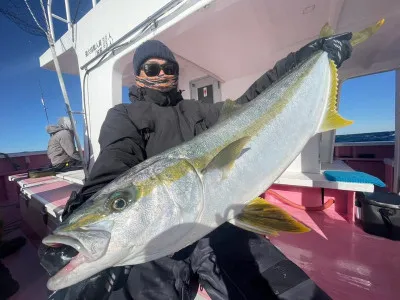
[44,105]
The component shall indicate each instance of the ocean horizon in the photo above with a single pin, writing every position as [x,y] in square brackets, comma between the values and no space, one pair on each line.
[383,136]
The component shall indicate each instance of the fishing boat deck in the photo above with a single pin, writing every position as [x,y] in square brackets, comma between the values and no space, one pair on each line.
[346,262]
[341,258]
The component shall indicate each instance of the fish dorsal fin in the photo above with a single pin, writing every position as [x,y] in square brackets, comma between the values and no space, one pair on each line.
[228,109]
[264,218]
[332,119]
[225,159]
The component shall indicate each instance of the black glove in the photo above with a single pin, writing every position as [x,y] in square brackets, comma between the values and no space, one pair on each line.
[75,200]
[97,287]
[337,46]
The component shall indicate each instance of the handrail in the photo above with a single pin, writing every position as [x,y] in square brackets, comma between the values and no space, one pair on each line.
[51,40]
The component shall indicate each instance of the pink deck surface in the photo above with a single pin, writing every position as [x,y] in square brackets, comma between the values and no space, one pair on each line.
[28,181]
[56,193]
[24,264]
[343,260]
[19,176]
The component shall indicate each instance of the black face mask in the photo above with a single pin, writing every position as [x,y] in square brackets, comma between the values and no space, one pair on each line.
[170,98]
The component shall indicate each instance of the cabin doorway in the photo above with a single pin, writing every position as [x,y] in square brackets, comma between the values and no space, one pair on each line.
[206,90]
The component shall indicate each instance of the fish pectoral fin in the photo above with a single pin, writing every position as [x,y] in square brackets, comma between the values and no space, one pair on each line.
[264,218]
[332,119]
[225,159]
[228,109]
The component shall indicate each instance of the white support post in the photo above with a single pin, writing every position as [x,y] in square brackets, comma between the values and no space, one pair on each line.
[94,2]
[397,130]
[50,19]
[68,14]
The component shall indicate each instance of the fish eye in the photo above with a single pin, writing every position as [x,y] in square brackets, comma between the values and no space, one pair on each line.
[121,199]
[119,204]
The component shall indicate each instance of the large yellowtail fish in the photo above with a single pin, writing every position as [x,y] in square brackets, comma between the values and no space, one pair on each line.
[173,199]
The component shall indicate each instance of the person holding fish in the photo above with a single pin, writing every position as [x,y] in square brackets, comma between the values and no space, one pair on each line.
[229,262]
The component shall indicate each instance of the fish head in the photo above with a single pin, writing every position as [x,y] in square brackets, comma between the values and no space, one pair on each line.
[125,222]
[99,231]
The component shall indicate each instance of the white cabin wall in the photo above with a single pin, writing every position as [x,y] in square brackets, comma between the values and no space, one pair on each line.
[109,21]
[233,89]
[102,91]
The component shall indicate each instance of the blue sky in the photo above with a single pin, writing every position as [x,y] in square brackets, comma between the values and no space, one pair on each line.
[368,100]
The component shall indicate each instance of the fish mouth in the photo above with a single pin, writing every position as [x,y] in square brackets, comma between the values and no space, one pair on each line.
[90,244]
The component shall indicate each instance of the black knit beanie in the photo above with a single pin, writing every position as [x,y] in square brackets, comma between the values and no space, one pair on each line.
[151,49]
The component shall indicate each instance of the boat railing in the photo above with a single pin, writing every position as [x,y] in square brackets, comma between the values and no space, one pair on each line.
[67,20]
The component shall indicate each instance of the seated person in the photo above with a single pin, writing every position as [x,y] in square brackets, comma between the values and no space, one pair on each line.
[61,147]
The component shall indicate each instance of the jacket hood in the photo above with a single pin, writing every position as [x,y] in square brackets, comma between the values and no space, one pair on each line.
[51,129]
[170,98]
[63,123]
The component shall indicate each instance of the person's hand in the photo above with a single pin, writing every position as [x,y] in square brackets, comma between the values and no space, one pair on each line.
[97,287]
[337,46]
[75,200]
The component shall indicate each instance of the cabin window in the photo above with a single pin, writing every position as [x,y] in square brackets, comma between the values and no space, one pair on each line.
[370,102]
[368,144]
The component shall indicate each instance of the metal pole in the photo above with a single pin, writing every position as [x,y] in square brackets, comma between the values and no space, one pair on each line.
[68,14]
[94,2]
[64,92]
[397,135]
[50,18]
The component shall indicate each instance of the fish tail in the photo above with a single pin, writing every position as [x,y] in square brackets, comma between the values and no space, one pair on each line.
[363,35]
[358,37]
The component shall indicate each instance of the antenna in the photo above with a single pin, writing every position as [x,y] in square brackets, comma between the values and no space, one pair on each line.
[44,105]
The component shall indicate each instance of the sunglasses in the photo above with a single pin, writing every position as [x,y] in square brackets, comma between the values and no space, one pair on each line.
[154,69]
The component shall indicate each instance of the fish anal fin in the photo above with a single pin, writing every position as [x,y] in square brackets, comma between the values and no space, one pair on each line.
[225,159]
[332,119]
[264,218]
